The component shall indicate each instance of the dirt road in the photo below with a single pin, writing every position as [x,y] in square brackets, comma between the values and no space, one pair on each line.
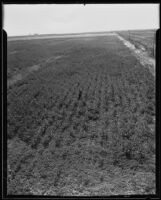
[140,54]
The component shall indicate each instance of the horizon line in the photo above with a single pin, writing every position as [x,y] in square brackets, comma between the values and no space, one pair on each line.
[77,33]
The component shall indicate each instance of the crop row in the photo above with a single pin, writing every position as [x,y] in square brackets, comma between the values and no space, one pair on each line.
[87,114]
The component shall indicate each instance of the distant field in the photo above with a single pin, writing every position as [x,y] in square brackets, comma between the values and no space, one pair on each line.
[48,36]
[142,39]
[26,53]
[81,118]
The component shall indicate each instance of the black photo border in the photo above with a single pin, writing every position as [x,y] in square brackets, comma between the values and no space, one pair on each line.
[4,103]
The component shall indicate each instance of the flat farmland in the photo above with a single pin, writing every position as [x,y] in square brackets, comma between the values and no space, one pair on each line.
[144,40]
[80,118]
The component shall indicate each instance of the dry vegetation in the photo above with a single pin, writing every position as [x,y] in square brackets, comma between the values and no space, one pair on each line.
[144,40]
[82,124]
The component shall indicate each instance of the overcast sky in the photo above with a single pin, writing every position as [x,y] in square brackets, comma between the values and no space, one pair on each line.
[51,19]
